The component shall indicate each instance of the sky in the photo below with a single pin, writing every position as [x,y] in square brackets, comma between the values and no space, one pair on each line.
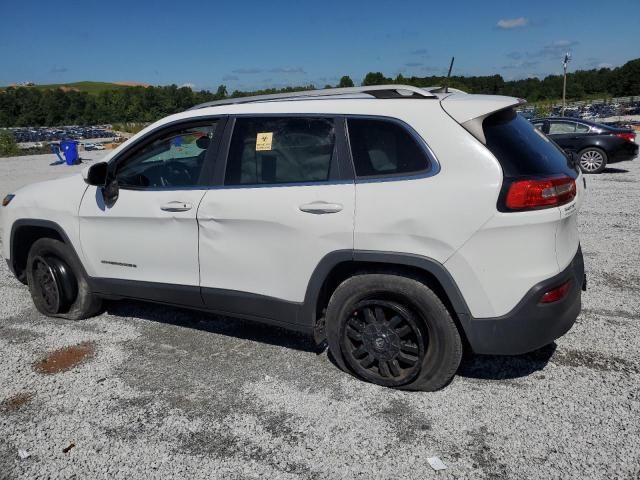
[249,44]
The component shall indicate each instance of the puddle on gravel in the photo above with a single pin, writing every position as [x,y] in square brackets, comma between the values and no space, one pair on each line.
[65,358]
[622,283]
[611,313]
[594,361]
[14,403]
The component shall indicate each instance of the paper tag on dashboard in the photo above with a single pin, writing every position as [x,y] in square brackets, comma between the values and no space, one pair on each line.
[264,141]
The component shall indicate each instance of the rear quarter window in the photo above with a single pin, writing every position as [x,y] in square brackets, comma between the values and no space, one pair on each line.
[383,148]
[522,150]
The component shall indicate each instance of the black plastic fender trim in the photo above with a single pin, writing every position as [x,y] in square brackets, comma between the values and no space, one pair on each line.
[34,222]
[429,265]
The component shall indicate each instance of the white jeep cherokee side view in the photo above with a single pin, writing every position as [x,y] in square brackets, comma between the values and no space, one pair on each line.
[401,224]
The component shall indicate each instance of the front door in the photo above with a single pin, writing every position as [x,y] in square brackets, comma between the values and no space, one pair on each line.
[148,237]
[286,202]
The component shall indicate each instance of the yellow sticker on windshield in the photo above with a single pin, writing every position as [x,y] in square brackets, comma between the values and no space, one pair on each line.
[264,141]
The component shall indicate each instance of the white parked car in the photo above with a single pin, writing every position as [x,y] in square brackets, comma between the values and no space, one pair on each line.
[401,224]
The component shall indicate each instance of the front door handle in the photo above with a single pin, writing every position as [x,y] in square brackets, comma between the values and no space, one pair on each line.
[319,208]
[176,207]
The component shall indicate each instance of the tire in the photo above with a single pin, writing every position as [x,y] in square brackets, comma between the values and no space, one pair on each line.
[592,160]
[57,282]
[393,331]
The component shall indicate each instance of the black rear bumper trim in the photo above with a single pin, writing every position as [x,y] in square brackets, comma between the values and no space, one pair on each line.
[531,325]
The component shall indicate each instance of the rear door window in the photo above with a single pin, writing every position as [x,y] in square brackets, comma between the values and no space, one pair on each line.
[384,148]
[522,150]
[559,128]
[281,150]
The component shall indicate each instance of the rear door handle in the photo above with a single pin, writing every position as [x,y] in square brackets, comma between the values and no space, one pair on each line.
[176,207]
[319,208]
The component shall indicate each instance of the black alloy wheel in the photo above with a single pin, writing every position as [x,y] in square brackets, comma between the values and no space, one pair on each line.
[383,342]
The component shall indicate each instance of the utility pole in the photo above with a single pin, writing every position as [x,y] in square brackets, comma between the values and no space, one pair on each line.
[565,62]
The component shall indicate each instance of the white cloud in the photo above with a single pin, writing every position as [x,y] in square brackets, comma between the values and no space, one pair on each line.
[188,85]
[520,65]
[247,71]
[509,23]
[556,48]
[288,70]
[561,44]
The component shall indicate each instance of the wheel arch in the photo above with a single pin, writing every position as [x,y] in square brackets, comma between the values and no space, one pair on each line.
[597,144]
[24,233]
[340,265]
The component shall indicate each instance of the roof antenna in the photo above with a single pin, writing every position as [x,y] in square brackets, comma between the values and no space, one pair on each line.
[446,82]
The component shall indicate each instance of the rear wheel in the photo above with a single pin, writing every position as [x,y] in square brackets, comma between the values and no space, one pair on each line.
[592,160]
[57,283]
[393,331]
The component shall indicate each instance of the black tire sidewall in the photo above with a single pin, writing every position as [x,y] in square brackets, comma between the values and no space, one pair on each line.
[85,304]
[443,343]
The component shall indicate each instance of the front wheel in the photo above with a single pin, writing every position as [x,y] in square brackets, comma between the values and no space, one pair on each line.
[393,331]
[592,160]
[57,282]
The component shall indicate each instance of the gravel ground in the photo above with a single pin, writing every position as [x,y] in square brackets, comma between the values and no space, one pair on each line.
[164,393]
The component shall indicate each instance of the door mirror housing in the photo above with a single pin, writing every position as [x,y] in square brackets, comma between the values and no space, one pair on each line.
[96,174]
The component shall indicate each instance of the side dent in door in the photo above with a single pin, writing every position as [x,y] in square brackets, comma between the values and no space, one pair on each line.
[258,240]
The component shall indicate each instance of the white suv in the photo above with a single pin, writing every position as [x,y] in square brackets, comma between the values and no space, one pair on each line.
[401,224]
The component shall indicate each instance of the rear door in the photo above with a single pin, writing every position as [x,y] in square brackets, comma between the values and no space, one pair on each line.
[284,200]
[563,133]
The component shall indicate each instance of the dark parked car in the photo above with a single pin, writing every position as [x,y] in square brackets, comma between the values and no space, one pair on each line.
[595,144]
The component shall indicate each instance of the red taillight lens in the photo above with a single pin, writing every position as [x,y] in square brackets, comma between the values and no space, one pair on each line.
[629,137]
[557,293]
[540,193]
[7,200]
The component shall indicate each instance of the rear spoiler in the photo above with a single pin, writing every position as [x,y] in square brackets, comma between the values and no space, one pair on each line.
[471,110]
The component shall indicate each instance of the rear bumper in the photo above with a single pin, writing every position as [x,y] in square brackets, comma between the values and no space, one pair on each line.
[629,151]
[531,325]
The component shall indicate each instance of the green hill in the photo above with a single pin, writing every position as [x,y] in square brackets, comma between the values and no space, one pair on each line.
[86,86]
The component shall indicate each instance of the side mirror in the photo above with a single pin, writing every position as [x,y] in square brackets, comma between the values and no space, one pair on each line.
[96,175]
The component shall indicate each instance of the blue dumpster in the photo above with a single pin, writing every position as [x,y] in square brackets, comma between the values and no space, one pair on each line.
[70,150]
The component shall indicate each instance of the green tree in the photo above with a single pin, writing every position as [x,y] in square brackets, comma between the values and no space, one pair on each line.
[375,78]
[36,106]
[221,92]
[8,144]
[345,82]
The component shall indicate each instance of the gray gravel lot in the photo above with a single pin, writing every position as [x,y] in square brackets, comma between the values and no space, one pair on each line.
[174,394]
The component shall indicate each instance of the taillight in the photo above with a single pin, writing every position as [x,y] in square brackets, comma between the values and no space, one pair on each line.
[557,293]
[629,137]
[540,193]
[7,200]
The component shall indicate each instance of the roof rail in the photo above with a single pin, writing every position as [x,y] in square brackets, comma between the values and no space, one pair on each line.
[440,89]
[376,91]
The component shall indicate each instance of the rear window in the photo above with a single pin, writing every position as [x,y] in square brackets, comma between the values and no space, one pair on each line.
[280,150]
[521,149]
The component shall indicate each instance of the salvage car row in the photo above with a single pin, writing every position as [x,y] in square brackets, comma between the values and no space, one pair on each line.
[595,145]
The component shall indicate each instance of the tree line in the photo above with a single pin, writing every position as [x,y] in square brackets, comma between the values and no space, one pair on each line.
[29,106]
